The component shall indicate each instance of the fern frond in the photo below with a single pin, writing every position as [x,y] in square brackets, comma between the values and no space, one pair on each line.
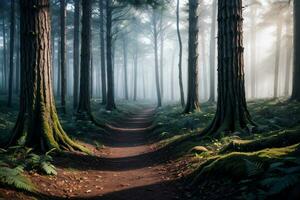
[14,178]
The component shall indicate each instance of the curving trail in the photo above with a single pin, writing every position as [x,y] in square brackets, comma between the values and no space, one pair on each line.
[127,168]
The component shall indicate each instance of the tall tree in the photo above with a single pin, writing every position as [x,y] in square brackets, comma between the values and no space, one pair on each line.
[102,52]
[155,36]
[11,54]
[289,42]
[180,55]
[4,51]
[277,56]
[296,75]
[192,103]
[85,61]
[63,77]
[110,103]
[253,51]
[232,113]
[125,57]
[161,31]
[38,125]
[135,75]
[212,56]
[76,60]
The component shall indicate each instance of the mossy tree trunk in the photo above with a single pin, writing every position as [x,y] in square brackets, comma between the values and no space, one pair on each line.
[296,75]
[76,60]
[180,55]
[63,77]
[102,53]
[85,60]
[38,125]
[110,102]
[192,103]
[232,113]
[11,54]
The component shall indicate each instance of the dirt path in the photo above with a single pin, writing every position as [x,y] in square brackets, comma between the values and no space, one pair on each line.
[127,168]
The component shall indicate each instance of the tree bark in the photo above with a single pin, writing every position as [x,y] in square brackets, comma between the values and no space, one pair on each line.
[212,57]
[296,74]
[125,67]
[277,57]
[11,54]
[102,52]
[76,54]
[110,103]
[84,106]
[58,90]
[38,125]
[155,35]
[232,113]
[172,74]
[192,103]
[180,55]
[63,13]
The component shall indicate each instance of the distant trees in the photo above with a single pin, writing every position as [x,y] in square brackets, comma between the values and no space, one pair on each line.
[38,125]
[192,103]
[232,113]
[296,75]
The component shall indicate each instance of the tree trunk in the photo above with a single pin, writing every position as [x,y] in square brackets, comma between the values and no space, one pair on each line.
[76,55]
[161,55]
[11,54]
[102,52]
[38,125]
[58,92]
[205,81]
[92,76]
[135,73]
[232,113]
[277,57]
[4,52]
[289,42]
[180,55]
[172,75]
[63,13]
[192,103]
[125,67]
[155,34]
[85,60]
[18,69]
[296,74]
[253,52]
[212,57]
[110,103]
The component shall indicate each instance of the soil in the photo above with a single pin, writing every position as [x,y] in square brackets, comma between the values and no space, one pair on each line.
[128,167]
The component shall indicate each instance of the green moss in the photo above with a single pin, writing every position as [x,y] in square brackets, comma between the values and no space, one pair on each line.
[234,165]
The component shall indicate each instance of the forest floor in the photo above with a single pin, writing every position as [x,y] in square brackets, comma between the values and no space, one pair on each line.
[124,165]
[142,153]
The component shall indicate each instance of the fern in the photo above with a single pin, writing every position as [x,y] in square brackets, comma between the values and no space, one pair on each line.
[48,168]
[253,168]
[15,178]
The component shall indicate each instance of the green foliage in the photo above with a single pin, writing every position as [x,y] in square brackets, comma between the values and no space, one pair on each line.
[13,177]
[15,160]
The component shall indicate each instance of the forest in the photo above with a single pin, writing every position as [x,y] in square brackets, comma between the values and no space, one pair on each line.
[149,99]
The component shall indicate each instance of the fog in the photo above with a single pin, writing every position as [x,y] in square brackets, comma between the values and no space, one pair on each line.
[267,42]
